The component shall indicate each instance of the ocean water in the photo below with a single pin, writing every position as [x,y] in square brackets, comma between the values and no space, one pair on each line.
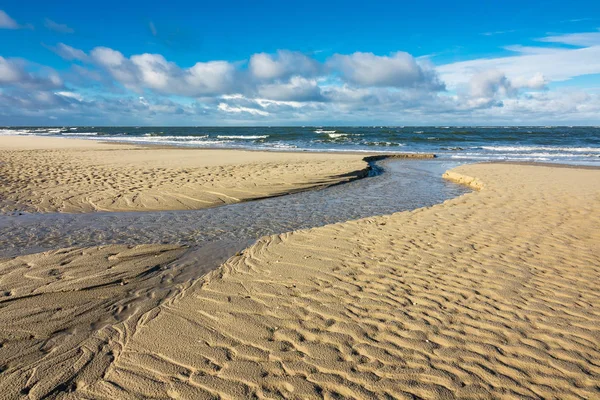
[562,144]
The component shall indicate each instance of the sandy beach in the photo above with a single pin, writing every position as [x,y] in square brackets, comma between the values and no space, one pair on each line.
[489,295]
[42,174]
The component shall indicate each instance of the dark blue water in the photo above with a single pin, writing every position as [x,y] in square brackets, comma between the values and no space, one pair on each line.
[573,145]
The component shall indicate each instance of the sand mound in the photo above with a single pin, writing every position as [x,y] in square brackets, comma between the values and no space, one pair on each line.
[67,175]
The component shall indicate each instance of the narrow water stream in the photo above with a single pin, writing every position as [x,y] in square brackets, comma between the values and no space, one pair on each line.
[215,234]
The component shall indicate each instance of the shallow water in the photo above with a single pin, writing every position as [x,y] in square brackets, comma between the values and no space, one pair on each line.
[216,234]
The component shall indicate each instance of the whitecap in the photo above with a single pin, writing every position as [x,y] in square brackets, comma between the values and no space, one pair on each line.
[243,137]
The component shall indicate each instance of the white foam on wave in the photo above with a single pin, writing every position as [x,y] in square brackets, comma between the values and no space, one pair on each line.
[16,132]
[323,131]
[384,144]
[279,146]
[242,137]
[542,148]
[498,157]
[80,133]
[157,137]
[37,131]
[534,154]
[175,140]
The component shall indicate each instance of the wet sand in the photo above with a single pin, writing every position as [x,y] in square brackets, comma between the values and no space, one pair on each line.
[490,295]
[42,174]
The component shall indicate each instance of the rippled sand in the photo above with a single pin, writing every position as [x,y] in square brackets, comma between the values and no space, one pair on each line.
[490,295]
[67,175]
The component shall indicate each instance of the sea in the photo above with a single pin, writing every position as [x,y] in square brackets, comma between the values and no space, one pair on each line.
[558,144]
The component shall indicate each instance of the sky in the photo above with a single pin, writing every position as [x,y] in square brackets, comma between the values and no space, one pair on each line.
[308,62]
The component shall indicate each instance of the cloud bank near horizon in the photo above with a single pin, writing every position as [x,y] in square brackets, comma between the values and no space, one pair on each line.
[288,87]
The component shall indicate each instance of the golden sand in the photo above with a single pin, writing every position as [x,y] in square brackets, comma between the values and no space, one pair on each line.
[67,175]
[490,295]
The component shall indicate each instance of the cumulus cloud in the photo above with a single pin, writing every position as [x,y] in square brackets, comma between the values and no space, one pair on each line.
[488,84]
[297,89]
[291,87]
[284,64]
[13,72]
[154,72]
[56,27]
[400,70]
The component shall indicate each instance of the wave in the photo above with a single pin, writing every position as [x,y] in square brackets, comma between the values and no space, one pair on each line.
[16,132]
[80,133]
[323,131]
[162,140]
[542,148]
[243,137]
[280,146]
[158,137]
[384,144]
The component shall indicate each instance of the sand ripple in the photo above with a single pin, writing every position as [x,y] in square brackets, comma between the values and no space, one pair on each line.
[490,295]
[83,176]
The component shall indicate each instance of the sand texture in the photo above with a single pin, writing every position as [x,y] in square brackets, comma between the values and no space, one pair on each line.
[490,295]
[64,314]
[67,175]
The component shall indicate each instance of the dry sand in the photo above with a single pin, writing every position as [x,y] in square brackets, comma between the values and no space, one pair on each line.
[68,175]
[490,295]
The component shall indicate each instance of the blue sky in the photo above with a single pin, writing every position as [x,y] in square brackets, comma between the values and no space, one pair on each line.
[296,63]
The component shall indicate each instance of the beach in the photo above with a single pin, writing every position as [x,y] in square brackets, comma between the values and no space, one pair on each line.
[44,174]
[492,294]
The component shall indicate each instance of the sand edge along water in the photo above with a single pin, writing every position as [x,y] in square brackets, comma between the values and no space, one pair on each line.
[491,294]
[41,174]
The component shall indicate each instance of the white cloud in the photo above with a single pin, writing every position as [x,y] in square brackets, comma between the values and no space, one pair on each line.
[154,72]
[553,64]
[400,70]
[69,53]
[108,57]
[488,84]
[56,27]
[297,89]
[211,77]
[6,22]
[232,109]
[284,64]
[13,72]
[10,71]
[289,86]
[584,39]
[70,95]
